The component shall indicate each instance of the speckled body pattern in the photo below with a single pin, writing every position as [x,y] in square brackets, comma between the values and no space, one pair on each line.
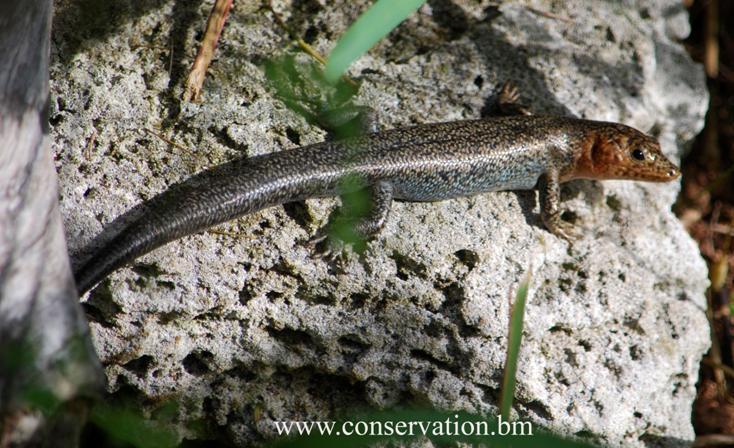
[422,163]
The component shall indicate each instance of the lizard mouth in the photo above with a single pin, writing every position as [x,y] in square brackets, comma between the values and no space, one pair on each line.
[672,173]
[661,170]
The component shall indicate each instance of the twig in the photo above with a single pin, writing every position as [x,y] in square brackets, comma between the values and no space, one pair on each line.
[728,371]
[540,12]
[305,47]
[214,26]
[308,49]
[90,144]
[165,139]
[723,229]
[714,440]
[548,14]
[711,42]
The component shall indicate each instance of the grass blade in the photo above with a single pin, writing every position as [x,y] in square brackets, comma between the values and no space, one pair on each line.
[514,337]
[374,24]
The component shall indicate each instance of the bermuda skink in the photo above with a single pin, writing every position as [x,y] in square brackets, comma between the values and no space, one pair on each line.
[429,162]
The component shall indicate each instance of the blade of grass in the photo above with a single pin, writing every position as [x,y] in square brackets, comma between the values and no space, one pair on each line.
[514,337]
[374,24]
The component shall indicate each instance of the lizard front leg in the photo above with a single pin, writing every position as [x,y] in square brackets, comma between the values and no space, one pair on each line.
[549,193]
[549,183]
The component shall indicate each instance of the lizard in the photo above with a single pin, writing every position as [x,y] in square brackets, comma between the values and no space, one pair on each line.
[429,162]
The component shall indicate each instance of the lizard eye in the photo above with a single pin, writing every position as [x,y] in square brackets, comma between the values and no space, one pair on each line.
[638,154]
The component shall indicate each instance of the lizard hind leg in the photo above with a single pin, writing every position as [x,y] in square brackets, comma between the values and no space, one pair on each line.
[363,215]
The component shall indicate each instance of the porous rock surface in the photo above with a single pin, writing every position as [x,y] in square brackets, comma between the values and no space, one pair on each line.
[242,326]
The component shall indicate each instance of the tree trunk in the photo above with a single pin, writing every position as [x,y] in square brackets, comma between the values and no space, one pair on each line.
[47,362]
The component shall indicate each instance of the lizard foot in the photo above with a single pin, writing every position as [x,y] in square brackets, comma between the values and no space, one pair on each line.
[508,100]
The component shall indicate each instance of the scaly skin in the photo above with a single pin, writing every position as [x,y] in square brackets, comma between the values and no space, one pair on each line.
[423,163]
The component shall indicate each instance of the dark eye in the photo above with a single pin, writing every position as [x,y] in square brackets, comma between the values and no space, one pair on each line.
[638,154]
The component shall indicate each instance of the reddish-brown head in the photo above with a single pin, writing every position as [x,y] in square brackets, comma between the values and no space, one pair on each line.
[616,151]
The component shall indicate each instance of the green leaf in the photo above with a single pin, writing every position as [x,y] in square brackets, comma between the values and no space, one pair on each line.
[514,338]
[374,24]
[126,425]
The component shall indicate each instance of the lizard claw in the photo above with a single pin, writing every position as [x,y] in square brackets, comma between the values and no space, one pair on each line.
[316,239]
[325,247]
[566,231]
[508,93]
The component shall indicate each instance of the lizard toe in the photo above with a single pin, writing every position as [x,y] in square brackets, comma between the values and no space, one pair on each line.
[567,232]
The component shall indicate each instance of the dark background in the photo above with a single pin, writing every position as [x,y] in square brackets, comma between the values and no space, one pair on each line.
[706,207]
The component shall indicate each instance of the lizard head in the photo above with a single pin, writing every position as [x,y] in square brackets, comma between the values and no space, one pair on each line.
[616,151]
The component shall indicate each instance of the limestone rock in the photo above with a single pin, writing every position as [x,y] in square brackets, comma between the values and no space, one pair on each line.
[244,327]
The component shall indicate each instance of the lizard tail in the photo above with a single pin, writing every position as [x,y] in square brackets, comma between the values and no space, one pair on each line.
[213,197]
